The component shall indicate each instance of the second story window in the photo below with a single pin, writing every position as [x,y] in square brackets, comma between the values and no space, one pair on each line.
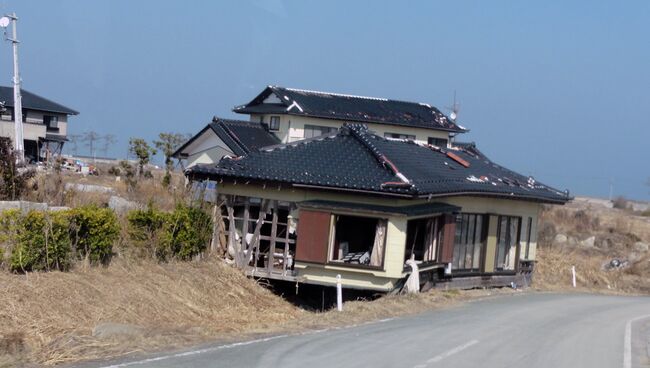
[317,130]
[52,122]
[399,136]
[439,142]
[274,123]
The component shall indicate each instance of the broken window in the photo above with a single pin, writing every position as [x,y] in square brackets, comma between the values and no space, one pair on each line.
[399,136]
[423,237]
[507,242]
[317,130]
[469,241]
[358,240]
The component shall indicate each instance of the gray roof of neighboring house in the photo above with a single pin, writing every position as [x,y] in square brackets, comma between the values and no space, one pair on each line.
[242,137]
[353,159]
[349,108]
[33,101]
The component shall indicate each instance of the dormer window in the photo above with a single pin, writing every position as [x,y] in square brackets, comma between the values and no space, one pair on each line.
[274,123]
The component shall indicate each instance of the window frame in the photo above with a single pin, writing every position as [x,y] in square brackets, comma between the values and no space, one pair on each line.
[332,239]
[517,243]
[482,235]
[431,140]
[399,136]
[272,120]
[313,127]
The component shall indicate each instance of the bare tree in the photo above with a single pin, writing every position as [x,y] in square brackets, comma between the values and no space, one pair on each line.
[167,144]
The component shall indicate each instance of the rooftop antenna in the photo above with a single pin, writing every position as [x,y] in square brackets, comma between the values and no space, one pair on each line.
[18,106]
[455,108]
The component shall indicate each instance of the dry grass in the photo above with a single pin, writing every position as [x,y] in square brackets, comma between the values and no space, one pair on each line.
[50,188]
[48,318]
[52,315]
[615,232]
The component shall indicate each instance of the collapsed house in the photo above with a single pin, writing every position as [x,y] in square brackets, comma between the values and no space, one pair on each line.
[359,204]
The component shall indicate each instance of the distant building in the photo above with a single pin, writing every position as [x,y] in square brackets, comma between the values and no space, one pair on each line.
[45,123]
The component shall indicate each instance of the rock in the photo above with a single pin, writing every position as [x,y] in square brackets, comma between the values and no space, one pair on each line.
[572,241]
[91,188]
[109,330]
[634,256]
[122,205]
[560,239]
[589,242]
[641,247]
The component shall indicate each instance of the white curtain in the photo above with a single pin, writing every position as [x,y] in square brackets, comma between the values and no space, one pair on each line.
[429,240]
[378,246]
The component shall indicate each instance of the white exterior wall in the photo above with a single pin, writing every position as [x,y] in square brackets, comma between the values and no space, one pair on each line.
[292,128]
[206,149]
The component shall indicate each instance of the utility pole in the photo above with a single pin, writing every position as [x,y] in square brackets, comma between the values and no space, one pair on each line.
[19,145]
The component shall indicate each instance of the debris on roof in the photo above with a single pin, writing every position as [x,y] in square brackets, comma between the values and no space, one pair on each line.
[355,159]
[348,107]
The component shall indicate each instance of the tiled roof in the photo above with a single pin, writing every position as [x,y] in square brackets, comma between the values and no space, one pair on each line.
[242,137]
[33,101]
[349,108]
[353,159]
[412,210]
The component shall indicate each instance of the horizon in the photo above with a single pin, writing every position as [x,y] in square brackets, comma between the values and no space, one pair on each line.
[555,91]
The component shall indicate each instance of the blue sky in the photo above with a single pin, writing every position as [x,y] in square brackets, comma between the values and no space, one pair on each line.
[553,89]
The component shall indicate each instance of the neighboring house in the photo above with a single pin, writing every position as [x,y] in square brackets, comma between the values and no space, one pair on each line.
[355,204]
[223,137]
[45,123]
[295,114]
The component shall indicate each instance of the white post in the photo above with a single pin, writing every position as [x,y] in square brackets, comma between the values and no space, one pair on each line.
[19,145]
[573,273]
[339,294]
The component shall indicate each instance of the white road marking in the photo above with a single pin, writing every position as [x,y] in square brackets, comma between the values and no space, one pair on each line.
[243,343]
[627,342]
[447,354]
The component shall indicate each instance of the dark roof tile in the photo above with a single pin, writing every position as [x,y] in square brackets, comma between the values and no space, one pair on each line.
[355,159]
[349,108]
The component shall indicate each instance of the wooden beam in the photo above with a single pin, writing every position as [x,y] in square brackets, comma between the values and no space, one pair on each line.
[255,242]
[274,233]
[244,231]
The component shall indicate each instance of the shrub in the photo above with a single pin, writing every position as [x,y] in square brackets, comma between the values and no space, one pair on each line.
[114,170]
[14,183]
[145,227]
[94,230]
[620,203]
[186,233]
[42,242]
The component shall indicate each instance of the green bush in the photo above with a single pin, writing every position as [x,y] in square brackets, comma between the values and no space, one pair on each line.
[93,232]
[42,242]
[186,233]
[144,229]
[181,234]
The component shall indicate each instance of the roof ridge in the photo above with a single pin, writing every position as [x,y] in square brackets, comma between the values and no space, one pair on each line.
[360,132]
[231,134]
[335,94]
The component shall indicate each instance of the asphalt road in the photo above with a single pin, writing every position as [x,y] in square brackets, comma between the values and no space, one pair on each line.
[527,330]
